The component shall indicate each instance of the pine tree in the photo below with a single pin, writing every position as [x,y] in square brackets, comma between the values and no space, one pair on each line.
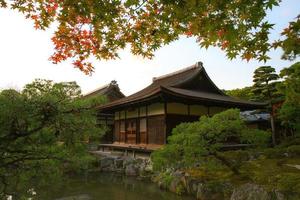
[264,89]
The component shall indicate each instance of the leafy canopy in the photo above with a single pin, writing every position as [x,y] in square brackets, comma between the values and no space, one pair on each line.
[291,43]
[290,111]
[241,93]
[96,28]
[42,133]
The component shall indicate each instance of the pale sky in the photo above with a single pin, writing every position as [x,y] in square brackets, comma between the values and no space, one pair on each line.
[24,54]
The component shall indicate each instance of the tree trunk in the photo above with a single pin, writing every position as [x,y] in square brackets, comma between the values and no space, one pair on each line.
[227,163]
[273,130]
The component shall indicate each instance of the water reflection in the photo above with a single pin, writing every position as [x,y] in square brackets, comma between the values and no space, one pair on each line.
[102,186]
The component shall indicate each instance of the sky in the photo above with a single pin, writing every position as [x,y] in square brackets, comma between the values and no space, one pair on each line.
[24,54]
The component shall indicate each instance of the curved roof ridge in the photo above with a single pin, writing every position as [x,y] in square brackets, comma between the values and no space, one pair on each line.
[97,89]
[103,87]
[213,84]
[195,66]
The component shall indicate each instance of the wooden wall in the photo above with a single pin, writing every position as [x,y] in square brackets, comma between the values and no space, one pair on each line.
[156,129]
[152,124]
[117,131]
[141,125]
[150,130]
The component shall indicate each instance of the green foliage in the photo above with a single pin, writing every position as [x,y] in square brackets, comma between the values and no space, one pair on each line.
[291,43]
[290,87]
[166,178]
[289,184]
[273,174]
[255,136]
[236,158]
[42,133]
[202,141]
[294,150]
[274,153]
[287,149]
[102,28]
[264,88]
[180,189]
[290,141]
[242,93]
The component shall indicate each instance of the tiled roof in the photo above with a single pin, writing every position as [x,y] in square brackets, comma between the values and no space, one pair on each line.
[104,90]
[175,84]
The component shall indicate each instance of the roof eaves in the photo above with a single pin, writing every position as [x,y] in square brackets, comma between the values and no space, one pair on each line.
[128,100]
[232,101]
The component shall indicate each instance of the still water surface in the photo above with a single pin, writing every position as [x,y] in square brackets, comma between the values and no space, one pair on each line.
[102,186]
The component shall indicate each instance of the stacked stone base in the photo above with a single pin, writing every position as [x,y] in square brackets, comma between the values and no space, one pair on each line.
[129,166]
[181,183]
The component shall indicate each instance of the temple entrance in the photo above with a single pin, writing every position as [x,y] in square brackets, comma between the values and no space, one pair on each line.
[131,131]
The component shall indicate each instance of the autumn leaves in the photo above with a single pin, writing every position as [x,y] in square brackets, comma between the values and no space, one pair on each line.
[100,29]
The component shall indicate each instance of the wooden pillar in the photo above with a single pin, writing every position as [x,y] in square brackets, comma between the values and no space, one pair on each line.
[125,126]
[138,133]
[189,109]
[166,121]
[106,136]
[208,110]
[147,126]
[119,134]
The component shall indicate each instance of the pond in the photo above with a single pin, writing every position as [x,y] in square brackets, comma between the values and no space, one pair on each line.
[106,186]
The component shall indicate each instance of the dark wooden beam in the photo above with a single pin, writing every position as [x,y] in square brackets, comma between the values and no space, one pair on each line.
[166,121]
[119,134]
[125,126]
[147,127]
[138,133]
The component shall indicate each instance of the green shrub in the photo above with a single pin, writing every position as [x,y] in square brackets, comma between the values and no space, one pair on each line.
[290,141]
[201,142]
[275,152]
[294,150]
[282,152]
[165,178]
[257,137]
[161,159]
[180,189]
[289,184]
[236,158]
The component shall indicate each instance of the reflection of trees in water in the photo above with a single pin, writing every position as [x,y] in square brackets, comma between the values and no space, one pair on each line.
[107,186]
[77,197]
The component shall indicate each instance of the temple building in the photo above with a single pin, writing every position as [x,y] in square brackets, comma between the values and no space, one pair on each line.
[112,93]
[148,116]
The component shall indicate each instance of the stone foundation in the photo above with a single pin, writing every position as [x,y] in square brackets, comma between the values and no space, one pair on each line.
[129,166]
[182,183]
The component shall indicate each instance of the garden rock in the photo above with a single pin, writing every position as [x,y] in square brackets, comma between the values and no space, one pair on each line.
[250,191]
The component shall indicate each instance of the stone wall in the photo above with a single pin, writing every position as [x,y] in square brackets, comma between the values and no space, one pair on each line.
[129,166]
[182,183]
